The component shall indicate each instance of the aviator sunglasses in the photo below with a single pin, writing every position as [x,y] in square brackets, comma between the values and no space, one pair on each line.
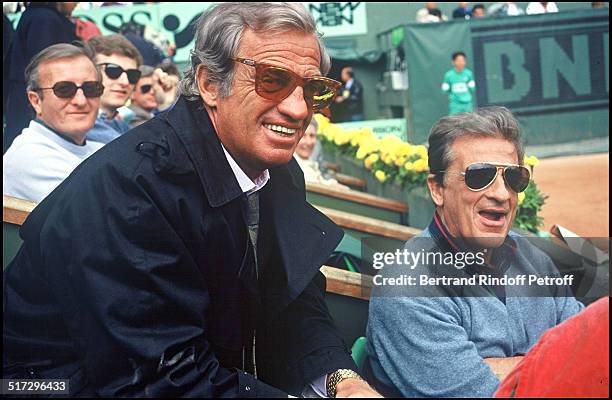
[276,84]
[114,71]
[67,89]
[479,176]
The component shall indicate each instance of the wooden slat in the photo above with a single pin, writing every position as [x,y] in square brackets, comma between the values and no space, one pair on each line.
[369,225]
[350,181]
[358,197]
[14,210]
[347,283]
[330,165]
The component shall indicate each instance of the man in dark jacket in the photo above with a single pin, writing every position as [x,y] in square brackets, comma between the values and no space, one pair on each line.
[182,259]
[351,96]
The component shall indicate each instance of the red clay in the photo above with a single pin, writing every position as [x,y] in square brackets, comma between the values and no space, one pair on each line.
[577,187]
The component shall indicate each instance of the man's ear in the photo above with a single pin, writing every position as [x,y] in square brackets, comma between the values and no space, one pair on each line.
[208,91]
[35,101]
[436,190]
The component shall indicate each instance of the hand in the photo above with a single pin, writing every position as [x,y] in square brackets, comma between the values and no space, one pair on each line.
[164,81]
[351,387]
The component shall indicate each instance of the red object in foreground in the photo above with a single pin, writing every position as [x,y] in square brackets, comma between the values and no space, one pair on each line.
[570,360]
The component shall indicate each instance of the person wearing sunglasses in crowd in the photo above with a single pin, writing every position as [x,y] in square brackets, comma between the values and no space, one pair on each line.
[119,61]
[183,259]
[444,335]
[64,88]
[144,101]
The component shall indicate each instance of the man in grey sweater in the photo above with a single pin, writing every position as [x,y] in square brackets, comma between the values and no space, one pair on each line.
[463,305]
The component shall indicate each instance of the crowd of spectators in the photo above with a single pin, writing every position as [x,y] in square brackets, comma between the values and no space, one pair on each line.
[65,87]
[431,13]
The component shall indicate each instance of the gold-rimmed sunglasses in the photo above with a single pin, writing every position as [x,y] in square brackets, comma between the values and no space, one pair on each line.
[479,176]
[277,83]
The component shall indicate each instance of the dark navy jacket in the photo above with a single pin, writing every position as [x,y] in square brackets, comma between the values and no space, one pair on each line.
[137,277]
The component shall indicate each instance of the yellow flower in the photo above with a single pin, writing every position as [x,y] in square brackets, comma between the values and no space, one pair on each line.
[361,153]
[420,165]
[521,197]
[399,161]
[388,159]
[421,151]
[372,158]
[381,176]
[409,166]
[531,161]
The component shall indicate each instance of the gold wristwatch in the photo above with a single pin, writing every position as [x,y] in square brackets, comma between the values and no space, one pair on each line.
[335,378]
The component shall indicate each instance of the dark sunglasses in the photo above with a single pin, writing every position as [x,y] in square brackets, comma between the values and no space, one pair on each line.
[276,84]
[67,89]
[114,71]
[479,176]
[145,88]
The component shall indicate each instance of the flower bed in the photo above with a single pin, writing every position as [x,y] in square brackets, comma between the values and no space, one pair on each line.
[398,170]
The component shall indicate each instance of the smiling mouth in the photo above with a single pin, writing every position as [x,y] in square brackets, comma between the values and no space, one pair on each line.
[281,130]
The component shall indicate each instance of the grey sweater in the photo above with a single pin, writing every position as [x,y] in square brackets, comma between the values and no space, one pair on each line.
[433,344]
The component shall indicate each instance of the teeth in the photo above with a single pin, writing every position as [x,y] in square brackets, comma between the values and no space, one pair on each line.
[280,129]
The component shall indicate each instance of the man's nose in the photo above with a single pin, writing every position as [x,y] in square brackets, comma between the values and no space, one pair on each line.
[499,190]
[123,79]
[295,105]
[79,98]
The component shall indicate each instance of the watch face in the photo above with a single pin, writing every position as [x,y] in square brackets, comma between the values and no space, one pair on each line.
[346,94]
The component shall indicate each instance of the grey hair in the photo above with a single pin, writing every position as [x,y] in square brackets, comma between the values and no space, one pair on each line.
[487,121]
[56,52]
[219,32]
[146,70]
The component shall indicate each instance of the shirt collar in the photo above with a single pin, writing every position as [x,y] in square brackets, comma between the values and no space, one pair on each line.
[104,116]
[65,137]
[246,184]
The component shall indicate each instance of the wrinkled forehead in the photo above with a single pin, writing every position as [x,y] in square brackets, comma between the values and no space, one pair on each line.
[471,149]
[75,69]
[294,50]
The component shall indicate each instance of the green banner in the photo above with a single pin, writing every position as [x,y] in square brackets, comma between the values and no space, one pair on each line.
[175,20]
[550,70]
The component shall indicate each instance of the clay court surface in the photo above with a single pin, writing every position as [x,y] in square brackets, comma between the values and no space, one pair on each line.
[577,187]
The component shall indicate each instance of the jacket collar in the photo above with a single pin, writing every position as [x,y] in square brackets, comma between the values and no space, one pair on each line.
[305,236]
[192,125]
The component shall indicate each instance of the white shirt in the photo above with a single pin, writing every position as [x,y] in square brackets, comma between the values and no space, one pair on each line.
[246,184]
[537,8]
[39,160]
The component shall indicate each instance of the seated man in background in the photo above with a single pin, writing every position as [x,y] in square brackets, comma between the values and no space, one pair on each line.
[459,340]
[119,61]
[144,101]
[303,154]
[64,88]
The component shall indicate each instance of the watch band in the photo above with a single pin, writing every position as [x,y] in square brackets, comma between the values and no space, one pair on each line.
[338,376]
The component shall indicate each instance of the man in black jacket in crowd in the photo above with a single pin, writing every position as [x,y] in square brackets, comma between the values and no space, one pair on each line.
[183,259]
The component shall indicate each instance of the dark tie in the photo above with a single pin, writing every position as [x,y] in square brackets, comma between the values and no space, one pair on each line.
[253,222]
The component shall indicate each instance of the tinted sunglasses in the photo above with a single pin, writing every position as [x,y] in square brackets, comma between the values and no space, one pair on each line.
[276,84]
[114,71]
[145,89]
[67,89]
[479,176]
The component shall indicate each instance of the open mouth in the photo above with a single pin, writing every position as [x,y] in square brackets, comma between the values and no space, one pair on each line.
[493,217]
[281,130]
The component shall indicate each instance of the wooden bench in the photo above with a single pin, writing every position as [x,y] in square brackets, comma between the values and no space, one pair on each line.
[351,181]
[14,213]
[355,202]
